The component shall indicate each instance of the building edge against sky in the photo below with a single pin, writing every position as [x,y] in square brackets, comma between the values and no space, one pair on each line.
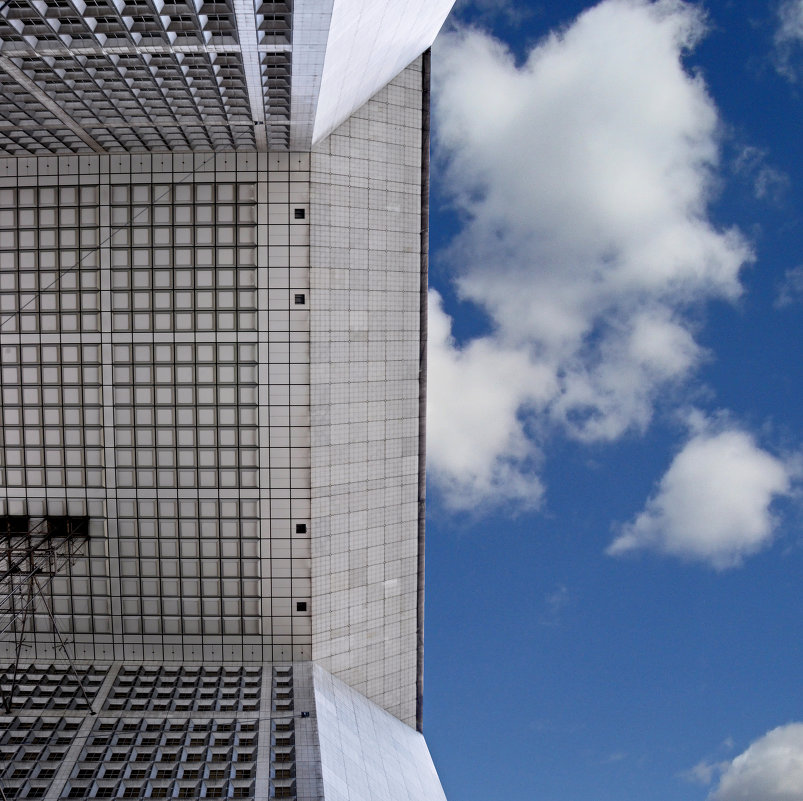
[212,365]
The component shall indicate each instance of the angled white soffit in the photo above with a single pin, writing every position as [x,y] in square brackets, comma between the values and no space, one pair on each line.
[361,45]
[311,21]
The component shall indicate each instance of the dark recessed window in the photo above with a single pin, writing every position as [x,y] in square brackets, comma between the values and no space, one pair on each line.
[301,299]
[299,214]
[301,528]
[301,606]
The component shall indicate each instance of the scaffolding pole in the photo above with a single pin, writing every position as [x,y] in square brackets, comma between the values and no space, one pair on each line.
[29,561]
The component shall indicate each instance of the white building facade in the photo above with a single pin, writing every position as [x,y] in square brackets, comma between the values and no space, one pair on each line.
[212,292]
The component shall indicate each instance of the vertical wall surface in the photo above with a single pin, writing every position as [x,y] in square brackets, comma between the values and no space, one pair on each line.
[365,203]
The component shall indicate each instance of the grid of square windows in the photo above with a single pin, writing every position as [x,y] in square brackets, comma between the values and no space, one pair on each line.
[32,749]
[129,757]
[165,688]
[185,414]
[183,257]
[282,751]
[66,391]
[190,749]
[191,459]
[52,414]
[40,686]
[189,577]
[198,746]
[49,259]
[140,93]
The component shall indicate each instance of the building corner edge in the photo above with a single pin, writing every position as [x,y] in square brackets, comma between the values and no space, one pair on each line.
[422,383]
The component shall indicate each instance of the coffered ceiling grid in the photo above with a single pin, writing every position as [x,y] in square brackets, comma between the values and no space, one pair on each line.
[109,75]
[149,75]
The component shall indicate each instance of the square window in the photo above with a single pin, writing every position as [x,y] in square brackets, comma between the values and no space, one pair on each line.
[299,214]
[301,606]
[300,300]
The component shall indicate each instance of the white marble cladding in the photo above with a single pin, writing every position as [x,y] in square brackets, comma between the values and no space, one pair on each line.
[369,43]
[311,20]
[365,198]
[154,332]
[367,754]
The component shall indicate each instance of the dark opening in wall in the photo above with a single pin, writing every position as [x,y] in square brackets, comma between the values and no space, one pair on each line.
[301,528]
[14,524]
[54,525]
[59,526]
[300,299]
[301,606]
[299,214]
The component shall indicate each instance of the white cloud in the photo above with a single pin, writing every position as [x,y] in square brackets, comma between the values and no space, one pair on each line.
[713,503]
[477,447]
[583,176]
[771,769]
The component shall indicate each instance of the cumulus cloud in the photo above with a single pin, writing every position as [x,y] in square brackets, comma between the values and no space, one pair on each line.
[477,447]
[771,769]
[583,178]
[714,502]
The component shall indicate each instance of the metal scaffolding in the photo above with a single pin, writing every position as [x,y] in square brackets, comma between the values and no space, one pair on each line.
[32,553]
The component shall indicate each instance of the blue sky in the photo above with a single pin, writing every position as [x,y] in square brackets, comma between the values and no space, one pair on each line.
[615,452]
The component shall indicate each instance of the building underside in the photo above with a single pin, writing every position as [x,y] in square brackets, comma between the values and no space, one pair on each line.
[213,251]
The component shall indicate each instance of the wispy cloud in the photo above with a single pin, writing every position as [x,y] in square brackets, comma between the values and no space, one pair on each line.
[487,11]
[713,504]
[768,182]
[788,38]
[555,604]
[583,176]
[790,290]
[614,758]
[704,772]
[771,769]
